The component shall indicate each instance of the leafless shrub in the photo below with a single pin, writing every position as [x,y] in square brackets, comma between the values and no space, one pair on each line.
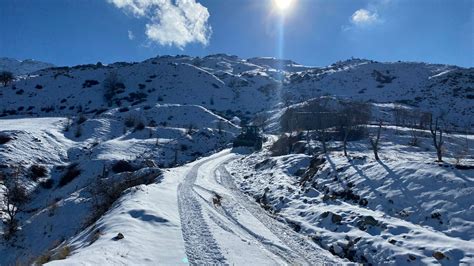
[105,191]
[37,171]
[353,119]
[112,86]
[13,199]
[130,121]
[329,118]
[6,77]
[413,118]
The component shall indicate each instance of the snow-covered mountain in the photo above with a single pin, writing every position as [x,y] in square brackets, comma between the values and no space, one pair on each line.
[142,173]
[22,67]
[244,87]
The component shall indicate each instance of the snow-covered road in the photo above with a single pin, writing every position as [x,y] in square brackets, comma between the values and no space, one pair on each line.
[174,222]
[238,231]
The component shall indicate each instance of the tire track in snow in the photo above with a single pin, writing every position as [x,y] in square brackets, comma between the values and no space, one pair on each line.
[201,247]
[309,252]
[227,210]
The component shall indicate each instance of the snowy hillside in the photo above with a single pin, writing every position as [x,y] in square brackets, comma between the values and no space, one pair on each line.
[234,86]
[22,67]
[130,163]
[404,209]
[75,155]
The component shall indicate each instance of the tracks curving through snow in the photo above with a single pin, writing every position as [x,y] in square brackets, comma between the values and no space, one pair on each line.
[201,247]
[222,234]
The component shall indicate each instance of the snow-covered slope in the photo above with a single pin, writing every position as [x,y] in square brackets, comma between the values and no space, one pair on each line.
[234,86]
[22,67]
[403,209]
[75,151]
[77,154]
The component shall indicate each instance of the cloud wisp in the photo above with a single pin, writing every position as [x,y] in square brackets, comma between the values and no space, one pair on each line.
[364,17]
[131,36]
[171,22]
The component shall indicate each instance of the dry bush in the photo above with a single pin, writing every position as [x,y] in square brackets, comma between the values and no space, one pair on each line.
[72,171]
[106,191]
[130,121]
[37,171]
[14,197]
[60,254]
[112,86]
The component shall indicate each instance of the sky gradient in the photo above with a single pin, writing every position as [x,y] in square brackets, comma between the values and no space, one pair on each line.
[316,32]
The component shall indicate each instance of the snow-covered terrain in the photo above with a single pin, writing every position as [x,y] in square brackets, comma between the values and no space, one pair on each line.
[22,67]
[234,86]
[144,175]
[402,209]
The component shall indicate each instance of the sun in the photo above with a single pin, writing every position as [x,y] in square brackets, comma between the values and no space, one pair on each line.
[283,5]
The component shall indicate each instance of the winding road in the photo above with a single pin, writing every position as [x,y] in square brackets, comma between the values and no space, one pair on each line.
[238,231]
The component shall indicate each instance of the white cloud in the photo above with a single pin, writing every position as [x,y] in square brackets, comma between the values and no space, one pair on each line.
[364,17]
[174,23]
[131,36]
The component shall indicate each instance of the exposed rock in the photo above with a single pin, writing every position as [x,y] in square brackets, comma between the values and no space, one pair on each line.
[324,214]
[363,202]
[369,220]
[336,218]
[439,255]
[118,237]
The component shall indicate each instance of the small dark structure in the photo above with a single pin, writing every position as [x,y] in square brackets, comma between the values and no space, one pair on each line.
[249,137]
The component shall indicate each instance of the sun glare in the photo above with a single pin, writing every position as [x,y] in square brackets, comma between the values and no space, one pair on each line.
[283,5]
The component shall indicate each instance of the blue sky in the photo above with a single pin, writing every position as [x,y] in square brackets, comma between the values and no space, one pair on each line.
[315,32]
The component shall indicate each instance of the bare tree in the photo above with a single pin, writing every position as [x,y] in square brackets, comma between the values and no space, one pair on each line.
[375,142]
[323,136]
[14,197]
[399,115]
[424,119]
[437,135]
[354,116]
[112,86]
[6,77]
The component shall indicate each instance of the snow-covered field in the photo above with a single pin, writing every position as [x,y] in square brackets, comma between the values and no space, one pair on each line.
[147,176]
